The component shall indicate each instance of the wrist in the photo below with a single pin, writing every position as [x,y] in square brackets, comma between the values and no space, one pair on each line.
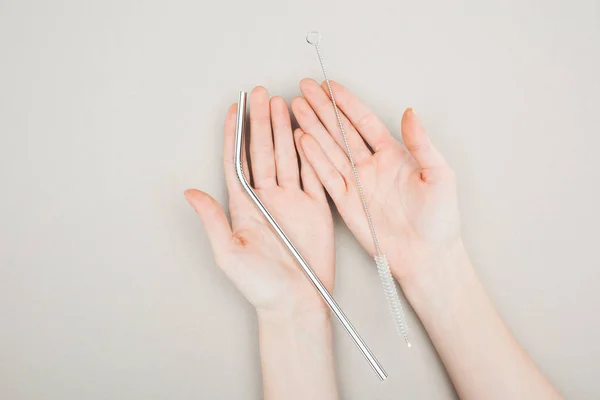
[315,316]
[298,299]
[297,354]
[440,273]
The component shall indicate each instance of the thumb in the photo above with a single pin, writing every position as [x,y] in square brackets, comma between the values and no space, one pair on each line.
[418,142]
[213,218]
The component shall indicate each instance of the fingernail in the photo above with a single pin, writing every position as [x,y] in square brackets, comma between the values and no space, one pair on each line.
[412,110]
[185,194]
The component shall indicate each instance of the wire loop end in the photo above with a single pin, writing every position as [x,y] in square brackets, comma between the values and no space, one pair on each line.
[313,38]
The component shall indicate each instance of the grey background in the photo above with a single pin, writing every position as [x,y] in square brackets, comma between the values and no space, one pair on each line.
[110,109]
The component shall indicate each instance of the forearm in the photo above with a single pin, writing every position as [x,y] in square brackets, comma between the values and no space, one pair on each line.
[481,355]
[297,356]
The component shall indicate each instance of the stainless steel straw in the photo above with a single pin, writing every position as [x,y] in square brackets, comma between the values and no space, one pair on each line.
[387,280]
[241,116]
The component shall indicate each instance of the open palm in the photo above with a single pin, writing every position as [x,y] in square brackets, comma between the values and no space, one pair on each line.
[249,251]
[410,191]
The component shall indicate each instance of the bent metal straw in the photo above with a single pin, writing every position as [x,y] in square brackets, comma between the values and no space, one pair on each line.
[337,311]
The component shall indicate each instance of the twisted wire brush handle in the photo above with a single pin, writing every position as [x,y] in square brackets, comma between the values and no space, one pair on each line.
[387,280]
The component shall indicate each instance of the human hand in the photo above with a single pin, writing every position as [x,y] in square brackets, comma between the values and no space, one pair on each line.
[411,195]
[249,252]
[409,189]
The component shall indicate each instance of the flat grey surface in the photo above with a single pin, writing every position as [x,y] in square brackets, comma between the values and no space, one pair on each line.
[110,109]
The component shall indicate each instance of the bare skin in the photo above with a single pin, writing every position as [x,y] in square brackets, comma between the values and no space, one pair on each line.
[411,193]
[294,324]
[412,205]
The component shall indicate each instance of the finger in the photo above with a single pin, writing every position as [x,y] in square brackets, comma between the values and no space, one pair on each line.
[213,218]
[310,181]
[373,131]
[328,174]
[310,124]
[322,105]
[418,143]
[233,185]
[285,151]
[261,140]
